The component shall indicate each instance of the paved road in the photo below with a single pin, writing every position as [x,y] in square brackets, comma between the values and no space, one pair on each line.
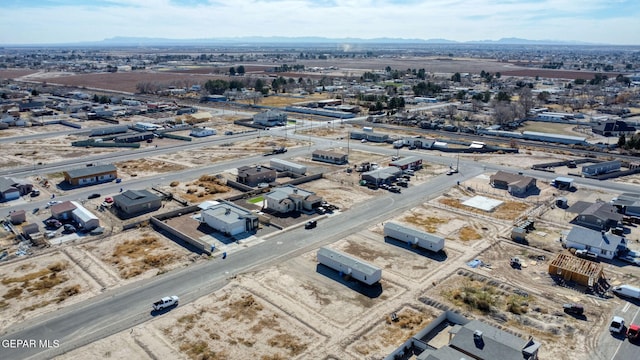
[123,308]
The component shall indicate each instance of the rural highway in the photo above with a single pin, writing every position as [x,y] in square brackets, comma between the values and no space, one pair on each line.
[122,308]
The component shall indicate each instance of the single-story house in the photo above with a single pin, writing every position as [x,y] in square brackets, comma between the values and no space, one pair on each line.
[380,176]
[597,216]
[468,339]
[18,217]
[229,218]
[270,118]
[601,168]
[11,189]
[516,184]
[605,244]
[134,202]
[627,203]
[63,210]
[331,157]
[613,128]
[289,198]
[409,162]
[90,175]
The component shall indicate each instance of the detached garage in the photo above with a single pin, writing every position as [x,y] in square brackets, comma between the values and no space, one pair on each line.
[414,237]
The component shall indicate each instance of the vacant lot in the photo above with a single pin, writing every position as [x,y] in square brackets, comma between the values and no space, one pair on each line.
[33,286]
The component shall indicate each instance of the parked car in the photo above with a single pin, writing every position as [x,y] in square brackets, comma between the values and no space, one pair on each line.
[53,223]
[51,203]
[394,189]
[68,228]
[630,259]
[585,254]
[633,333]
[617,325]
[35,193]
[574,309]
[311,224]
[36,210]
[94,196]
[108,200]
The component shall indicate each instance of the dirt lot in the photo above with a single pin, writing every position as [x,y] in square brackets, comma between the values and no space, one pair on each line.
[36,285]
[132,255]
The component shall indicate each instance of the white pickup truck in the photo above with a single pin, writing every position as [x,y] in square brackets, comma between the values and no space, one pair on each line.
[165,302]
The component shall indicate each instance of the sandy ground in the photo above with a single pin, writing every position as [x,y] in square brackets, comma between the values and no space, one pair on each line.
[36,285]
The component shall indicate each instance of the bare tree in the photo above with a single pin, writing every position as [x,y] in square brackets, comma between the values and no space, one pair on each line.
[451,111]
[526,101]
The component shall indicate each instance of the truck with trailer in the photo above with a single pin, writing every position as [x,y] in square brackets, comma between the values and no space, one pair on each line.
[627,291]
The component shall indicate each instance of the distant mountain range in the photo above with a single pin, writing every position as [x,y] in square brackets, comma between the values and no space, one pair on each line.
[279,40]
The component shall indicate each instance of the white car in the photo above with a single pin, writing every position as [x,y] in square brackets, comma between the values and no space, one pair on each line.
[166,302]
[617,325]
[51,203]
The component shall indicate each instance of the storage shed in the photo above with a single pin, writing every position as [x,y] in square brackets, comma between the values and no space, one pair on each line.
[413,237]
[571,268]
[349,265]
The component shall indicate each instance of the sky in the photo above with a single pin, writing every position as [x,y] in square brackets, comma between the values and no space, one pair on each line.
[67,21]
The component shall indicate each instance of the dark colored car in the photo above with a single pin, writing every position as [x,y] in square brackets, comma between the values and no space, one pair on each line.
[53,223]
[69,228]
[311,224]
[94,196]
[574,309]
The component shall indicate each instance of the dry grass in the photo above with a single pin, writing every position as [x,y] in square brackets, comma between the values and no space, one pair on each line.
[509,210]
[468,233]
[474,296]
[363,251]
[134,257]
[409,322]
[266,322]
[205,188]
[68,292]
[428,223]
[37,282]
[246,308]
[133,167]
[288,342]
[200,350]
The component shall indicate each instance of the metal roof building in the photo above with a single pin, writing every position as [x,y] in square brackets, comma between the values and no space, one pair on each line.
[349,265]
[413,236]
[284,165]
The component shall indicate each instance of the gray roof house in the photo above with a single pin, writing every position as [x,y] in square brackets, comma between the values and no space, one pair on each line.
[8,189]
[605,244]
[597,216]
[468,339]
[349,265]
[135,202]
[288,198]
[91,174]
[628,203]
[229,218]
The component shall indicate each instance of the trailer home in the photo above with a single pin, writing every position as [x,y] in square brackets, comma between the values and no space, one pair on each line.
[349,265]
[414,237]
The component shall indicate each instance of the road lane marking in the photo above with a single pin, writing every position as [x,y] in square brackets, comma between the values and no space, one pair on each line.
[626,307]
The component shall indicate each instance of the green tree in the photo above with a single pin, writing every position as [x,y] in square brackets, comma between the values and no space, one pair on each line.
[503,96]
[622,140]
[422,74]
[240,70]
[216,87]
[259,86]
[232,71]
[456,77]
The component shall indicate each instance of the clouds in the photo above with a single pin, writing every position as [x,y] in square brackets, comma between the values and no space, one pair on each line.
[61,21]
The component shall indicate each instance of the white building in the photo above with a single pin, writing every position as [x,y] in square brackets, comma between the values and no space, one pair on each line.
[202,132]
[229,218]
[349,265]
[413,237]
[270,118]
[85,218]
[289,198]
[284,165]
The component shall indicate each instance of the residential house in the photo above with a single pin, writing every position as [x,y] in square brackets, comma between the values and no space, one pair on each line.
[331,157]
[597,216]
[136,202]
[516,184]
[468,339]
[605,244]
[91,175]
[289,198]
[229,218]
[409,162]
[613,128]
[270,118]
[627,203]
[254,175]
[601,168]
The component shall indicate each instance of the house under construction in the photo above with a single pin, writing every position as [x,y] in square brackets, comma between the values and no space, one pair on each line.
[581,271]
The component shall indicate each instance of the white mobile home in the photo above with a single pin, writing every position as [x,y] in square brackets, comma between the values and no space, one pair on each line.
[413,236]
[349,265]
[284,165]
